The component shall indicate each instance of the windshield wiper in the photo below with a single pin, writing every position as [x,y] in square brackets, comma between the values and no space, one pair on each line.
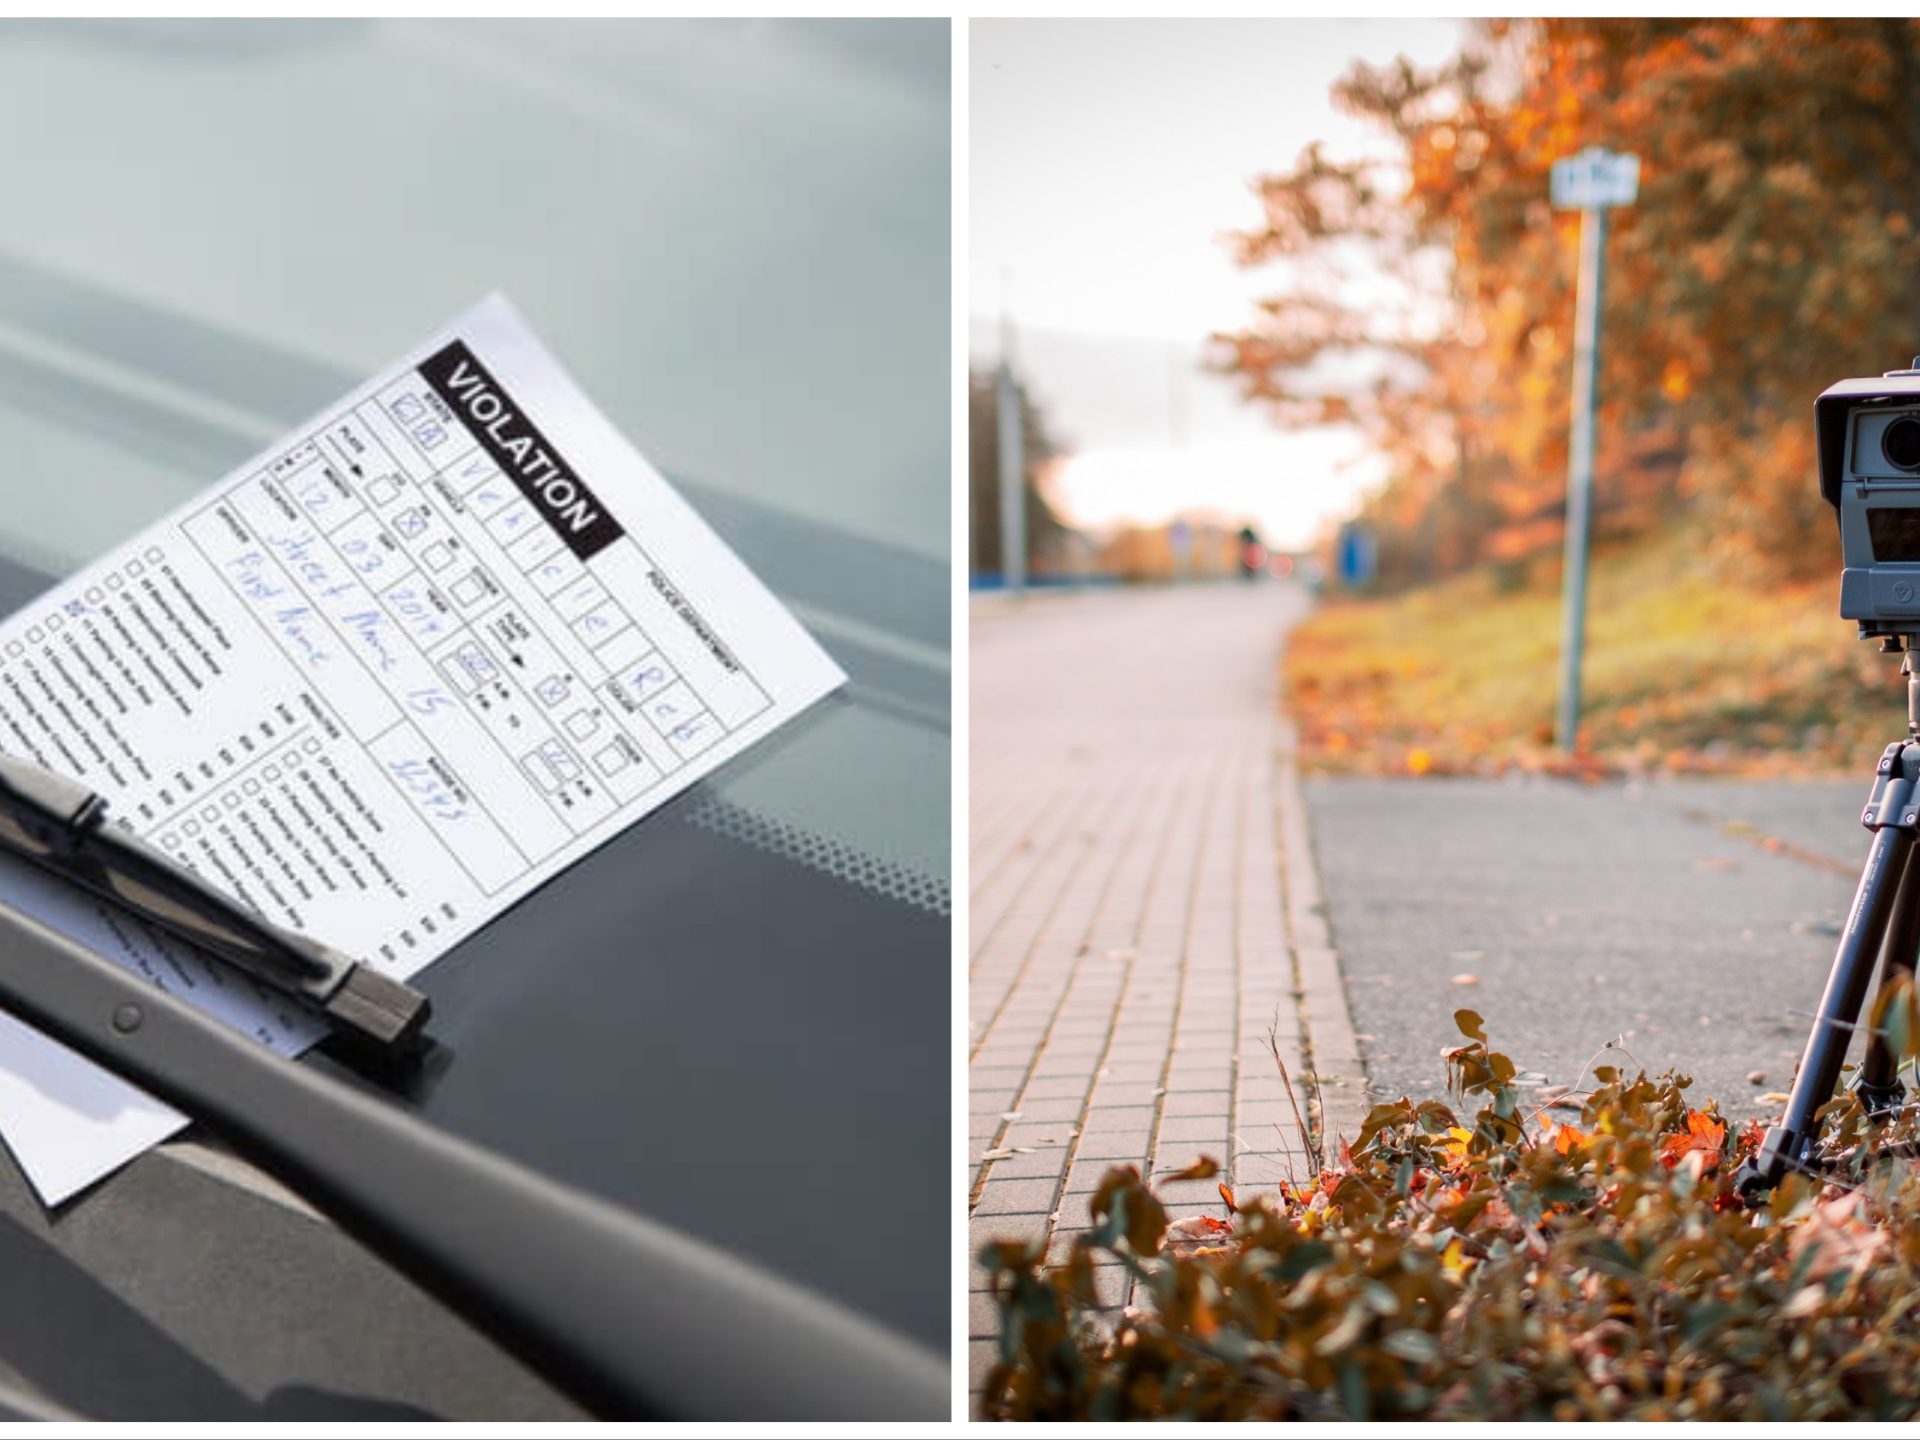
[631,1318]
[60,825]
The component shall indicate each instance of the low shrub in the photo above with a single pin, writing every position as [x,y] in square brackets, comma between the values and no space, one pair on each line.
[1508,1267]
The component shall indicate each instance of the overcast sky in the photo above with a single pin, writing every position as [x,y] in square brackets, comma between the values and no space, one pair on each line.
[1107,159]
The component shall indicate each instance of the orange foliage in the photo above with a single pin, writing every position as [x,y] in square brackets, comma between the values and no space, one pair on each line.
[1704,1136]
[1775,248]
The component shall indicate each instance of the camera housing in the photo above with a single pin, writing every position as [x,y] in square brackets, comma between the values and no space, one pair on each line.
[1868,435]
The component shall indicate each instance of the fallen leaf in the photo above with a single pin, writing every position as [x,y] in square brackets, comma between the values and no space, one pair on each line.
[1193,1229]
[1205,1168]
[1704,1136]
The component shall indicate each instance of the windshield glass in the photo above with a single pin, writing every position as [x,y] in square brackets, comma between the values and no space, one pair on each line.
[735,234]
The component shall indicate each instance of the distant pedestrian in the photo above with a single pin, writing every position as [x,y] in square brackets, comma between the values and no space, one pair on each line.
[1253,555]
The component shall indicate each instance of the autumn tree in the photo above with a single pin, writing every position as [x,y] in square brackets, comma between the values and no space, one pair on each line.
[1427,290]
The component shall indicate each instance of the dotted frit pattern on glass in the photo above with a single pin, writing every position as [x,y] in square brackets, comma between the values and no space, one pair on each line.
[823,853]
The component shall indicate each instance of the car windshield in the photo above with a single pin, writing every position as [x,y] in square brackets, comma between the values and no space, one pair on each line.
[736,258]
[735,236]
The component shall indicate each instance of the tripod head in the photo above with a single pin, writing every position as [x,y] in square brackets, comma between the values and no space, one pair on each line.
[1904,645]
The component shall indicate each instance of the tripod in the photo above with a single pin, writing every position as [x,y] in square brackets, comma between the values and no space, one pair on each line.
[1885,923]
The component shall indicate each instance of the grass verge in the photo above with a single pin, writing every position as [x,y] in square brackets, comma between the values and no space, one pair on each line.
[1684,672]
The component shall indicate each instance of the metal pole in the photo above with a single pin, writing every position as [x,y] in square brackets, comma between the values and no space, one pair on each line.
[1586,390]
[1013,466]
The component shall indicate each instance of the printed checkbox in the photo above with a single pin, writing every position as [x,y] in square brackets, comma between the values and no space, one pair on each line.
[192,828]
[438,555]
[170,840]
[540,770]
[509,524]
[600,623]
[560,758]
[35,634]
[429,436]
[463,475]
[578,598]
[533,546]
[94,597]
[135,568]
[231,800]
[671,706]
[312,745]
[622,648]
[692,736]
[408,409]
[468,589]
[645,677]
[491,496]
[14,647]
[251,786]
[555,572]
[153,554]
[54,622]
[270,774]
[581,724]
[611,759]
[114,581]
[383,491]
[210,814]
[552,690]
[473,667]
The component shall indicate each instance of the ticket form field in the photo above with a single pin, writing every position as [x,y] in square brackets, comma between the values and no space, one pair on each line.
[380,682]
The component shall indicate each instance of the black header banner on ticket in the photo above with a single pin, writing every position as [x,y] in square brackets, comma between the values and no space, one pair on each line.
[518,448]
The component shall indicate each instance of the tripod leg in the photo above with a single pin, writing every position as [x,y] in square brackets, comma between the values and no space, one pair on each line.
[1879,1084]
[1860,944]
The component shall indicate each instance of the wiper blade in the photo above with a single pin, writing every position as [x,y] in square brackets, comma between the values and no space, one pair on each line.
[60,825]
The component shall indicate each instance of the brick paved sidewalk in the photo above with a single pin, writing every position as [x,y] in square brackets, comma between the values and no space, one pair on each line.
[1128,923]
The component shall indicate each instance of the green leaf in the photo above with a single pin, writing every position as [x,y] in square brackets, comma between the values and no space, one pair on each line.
[1301,1261]
[1703,1319]
[1415,1345]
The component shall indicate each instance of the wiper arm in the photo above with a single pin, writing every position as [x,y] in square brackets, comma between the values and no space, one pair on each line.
[631,1318]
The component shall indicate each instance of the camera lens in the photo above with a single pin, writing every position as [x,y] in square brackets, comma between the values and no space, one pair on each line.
[1900,443]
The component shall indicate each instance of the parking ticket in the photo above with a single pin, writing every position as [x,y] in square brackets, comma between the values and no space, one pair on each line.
[382,680]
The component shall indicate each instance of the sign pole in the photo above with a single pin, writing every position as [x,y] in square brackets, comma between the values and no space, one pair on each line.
[1586,388]
[1592,182]
[1013,462]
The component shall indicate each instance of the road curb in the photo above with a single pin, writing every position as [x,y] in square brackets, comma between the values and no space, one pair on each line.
[1326,1020]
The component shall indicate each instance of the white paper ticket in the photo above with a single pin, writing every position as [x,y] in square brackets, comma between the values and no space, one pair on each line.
[381,681]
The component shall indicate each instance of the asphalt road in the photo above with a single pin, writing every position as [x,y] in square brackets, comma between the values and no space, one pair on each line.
[1648,912]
